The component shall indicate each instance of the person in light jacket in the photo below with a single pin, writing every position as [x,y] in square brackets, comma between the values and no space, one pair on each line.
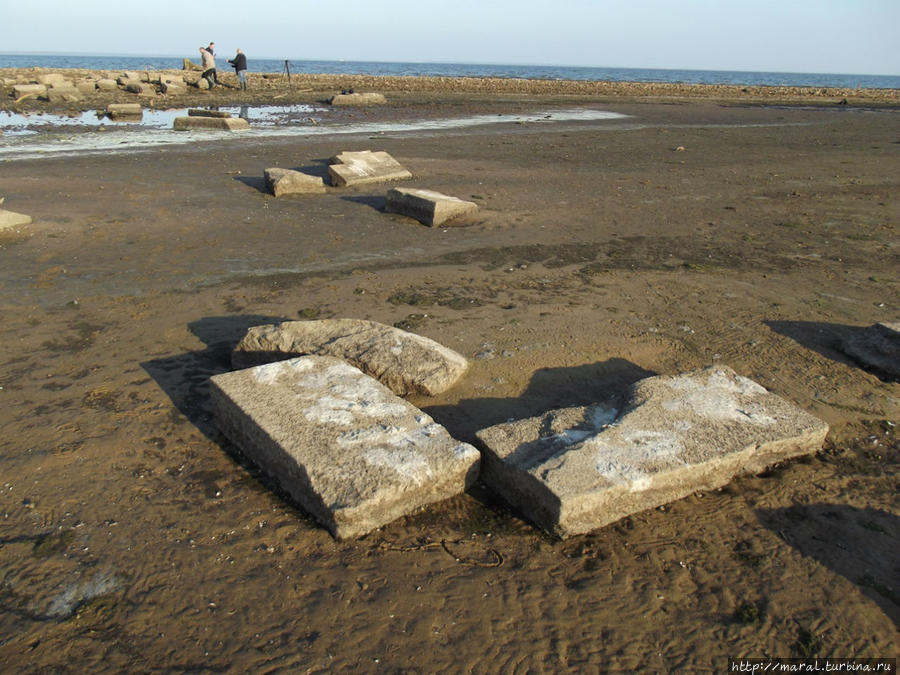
[208,62]
[239,63]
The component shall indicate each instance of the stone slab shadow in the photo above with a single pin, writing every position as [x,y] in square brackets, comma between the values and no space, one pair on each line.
[347,449]
[574,470]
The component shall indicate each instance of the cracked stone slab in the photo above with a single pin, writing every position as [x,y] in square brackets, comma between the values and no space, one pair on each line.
[349,451]
[427,206]
[365,166]
[877,346]
[574,470]
[405,362]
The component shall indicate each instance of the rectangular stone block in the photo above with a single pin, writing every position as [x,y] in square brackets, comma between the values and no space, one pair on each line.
[200,112]
[215,123]
[62,93]
[363,98]
[107,84]
[427,206]
[574,470]
[349,451]
[53,79]
[289,182]
[359,168]
[35,90]
[124,110]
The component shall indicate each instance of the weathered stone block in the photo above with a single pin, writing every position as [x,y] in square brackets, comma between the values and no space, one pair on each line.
[350,452]
[405,362]
[28,90]
[123,110]
[368,98]
[200,112]
[12,219]
[358,168]
[62,93]
[53,79]
[215,123]
[287,182]
[172,88]
[574,470]
[86,86]
[141,88]
[107,84]
[427,206]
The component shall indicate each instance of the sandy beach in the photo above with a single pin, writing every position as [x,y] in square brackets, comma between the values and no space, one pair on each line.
[704,226]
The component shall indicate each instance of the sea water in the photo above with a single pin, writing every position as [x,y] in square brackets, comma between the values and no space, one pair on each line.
[112,62]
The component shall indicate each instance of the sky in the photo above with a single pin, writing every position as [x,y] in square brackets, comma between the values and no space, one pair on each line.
[812,36]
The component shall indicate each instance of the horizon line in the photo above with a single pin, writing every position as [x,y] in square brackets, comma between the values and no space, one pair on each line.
[460,63]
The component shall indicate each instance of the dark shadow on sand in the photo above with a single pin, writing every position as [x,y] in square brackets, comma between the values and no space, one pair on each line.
[550,388]
[376,202]
[859,544]
[185,378]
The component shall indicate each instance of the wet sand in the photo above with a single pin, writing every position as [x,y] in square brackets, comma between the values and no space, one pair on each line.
[134,536]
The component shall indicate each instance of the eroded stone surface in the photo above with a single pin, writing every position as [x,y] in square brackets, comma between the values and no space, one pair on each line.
[877,346]
[288,182]
[427,206]
[119,110]
[574,470]
[405,362]
[353,454]
[365,166]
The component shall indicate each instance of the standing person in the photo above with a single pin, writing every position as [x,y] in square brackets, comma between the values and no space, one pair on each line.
[239,63]
[209,66]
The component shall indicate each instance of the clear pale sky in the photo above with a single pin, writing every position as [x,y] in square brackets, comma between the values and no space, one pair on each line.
[818,36]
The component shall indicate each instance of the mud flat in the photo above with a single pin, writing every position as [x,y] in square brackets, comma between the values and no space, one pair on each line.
[692,232]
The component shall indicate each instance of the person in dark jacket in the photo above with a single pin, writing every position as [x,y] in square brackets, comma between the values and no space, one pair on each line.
[208,62]
[239,63]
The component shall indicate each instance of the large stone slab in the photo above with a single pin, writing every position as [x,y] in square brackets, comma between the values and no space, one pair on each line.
[288,182]
[427,206]
[216,123]
[358,98]
[877,346]
[365,166]
[574,470]
[350,452]
[405,362]
[12,219]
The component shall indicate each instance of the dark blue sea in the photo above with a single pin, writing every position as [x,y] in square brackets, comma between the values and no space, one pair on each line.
[743,78]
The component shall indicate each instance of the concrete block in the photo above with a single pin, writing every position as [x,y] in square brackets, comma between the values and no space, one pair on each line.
[359,168]
[350,452]
[107,84]
[214,123]
[86,86]
[287,182]
[574,470]
[405,362]
[427,206]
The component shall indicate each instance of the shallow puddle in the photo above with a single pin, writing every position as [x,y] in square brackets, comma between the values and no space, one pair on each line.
[40,135]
